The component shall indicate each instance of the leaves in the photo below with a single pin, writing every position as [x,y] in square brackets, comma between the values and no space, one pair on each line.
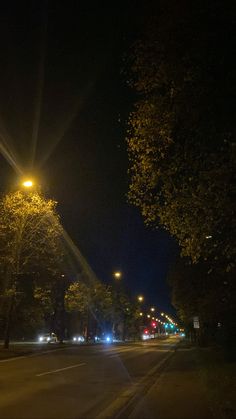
[97,298]
[181,133]
[30,232]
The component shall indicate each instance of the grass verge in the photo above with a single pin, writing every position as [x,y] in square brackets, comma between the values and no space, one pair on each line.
[218,378]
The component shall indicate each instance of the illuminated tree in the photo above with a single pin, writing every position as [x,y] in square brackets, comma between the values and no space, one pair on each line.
[30,234]
[93,304]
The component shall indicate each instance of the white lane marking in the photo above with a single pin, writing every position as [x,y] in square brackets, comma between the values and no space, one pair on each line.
[140,353]
[13,358]
[110,350]
[61,369]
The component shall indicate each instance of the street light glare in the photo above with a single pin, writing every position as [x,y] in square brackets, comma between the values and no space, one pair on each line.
[117,275]
[27,183]
[140,298]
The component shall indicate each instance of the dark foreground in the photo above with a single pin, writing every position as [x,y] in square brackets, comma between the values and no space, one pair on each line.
[143,380]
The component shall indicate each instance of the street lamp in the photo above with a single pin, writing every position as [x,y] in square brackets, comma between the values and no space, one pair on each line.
[28,183]
[117,275]
[140,298]
[152,309]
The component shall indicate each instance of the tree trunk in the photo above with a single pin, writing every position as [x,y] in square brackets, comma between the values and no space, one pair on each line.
[8,323]
[88,325]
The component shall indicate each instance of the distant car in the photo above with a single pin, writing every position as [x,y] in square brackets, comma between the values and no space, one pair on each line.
[79,339]
[48,338]
[107,338]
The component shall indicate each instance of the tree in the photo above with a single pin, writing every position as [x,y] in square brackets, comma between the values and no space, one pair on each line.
[195,292]
[181,133]
[93,304]
[30,233]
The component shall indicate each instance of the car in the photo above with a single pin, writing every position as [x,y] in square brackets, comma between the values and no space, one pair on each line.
[48,338]
[79,339]
[106,338]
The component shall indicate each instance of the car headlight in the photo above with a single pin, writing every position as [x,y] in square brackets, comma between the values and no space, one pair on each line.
[48,339]
[40,338]
[74,339]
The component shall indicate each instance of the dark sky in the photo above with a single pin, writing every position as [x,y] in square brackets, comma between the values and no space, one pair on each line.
[75,52]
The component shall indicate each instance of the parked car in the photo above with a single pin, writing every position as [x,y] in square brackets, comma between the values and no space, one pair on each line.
[48,338]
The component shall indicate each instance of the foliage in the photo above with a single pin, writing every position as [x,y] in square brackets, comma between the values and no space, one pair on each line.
[209,296]
[30,254]
[93,303]
[111,308]
[181,132]
[29,231]
[44,296]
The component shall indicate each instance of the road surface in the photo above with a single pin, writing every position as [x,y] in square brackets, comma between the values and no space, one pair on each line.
[99,381]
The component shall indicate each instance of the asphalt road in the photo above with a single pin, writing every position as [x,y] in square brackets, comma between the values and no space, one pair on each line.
[98,381]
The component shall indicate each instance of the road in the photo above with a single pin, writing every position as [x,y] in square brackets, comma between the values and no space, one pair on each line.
[99,381]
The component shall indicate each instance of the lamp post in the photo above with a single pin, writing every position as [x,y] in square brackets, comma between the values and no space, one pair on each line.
[117,275]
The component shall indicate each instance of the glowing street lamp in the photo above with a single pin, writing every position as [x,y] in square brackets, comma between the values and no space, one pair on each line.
[140,298]
[27,183]
[117,275]
[152,309]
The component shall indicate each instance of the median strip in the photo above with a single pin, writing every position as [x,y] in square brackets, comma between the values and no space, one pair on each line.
[60,369]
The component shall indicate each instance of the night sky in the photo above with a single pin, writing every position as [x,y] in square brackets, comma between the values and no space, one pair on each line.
[76,53]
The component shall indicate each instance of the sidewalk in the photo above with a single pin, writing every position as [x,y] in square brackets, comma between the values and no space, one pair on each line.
[178,393]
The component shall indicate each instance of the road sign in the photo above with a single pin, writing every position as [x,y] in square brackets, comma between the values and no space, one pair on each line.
[196,324]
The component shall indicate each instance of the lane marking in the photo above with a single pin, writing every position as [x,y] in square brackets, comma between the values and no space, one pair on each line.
[60,369]
[118,354]
[13,358]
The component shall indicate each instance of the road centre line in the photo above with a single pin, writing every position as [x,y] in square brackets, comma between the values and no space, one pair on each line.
[60,369]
